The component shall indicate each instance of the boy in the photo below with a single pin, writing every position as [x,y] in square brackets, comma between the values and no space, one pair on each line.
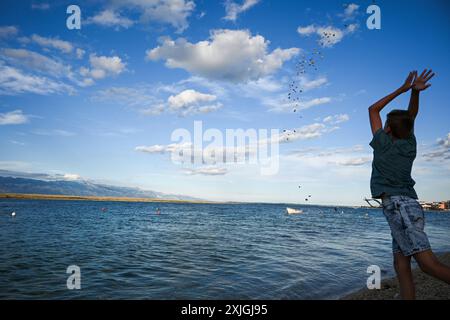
[394,153]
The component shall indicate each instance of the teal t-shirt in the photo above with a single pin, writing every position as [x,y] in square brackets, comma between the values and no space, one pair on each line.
[392,165]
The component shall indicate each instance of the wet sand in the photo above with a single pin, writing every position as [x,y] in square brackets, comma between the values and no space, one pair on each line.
[427,288]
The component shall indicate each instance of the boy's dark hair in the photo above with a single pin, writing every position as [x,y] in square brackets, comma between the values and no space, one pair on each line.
[401,123]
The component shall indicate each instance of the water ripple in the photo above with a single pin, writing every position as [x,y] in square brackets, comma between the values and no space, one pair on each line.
[190,251]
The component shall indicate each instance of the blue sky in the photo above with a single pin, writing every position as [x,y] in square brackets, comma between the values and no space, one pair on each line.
[86,103]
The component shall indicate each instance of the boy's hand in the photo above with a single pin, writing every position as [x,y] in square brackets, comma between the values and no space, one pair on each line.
[420,83]
[409,82]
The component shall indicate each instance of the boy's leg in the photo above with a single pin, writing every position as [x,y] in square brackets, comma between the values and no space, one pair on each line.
[402,266]
[431,265]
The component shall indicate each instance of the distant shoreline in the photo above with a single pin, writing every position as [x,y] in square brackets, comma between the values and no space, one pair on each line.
[100,199]
[35,196]
[57,197]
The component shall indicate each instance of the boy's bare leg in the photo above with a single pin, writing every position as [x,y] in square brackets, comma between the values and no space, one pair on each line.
[431,265]
[402,266]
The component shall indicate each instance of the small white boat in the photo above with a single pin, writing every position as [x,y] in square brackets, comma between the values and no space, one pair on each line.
[13,214]
[293,211]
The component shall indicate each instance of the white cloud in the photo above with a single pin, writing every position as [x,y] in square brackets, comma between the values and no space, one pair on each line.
[153,100]
[438,154]
[40,6]
[63,46]
[204,109]
[162,149]
[307,84]
[232,153]
[172,12]
[272,92]
[338,118]
[19,143]
[80,53]
[140,96]
[152,149]
[314,102]
[328,35]
[101,67]
[278,105]
[13,81]
[350,11]
[306,132]
[445,142]
[267,84]
[306,31]
[354,161]
[191,102]
[233,9]
[54,132]
[351,28]
[321,152]
[188,98]
[35,61]
[232,55]
[207,171]
[440,151]
[250,148]
[109,65]
[8,31]
[218,89]
[13,117]
[355,156]
[14,165]
[110,18]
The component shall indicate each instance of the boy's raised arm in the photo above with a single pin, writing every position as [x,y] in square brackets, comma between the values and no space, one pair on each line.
[374,110]
[420,84]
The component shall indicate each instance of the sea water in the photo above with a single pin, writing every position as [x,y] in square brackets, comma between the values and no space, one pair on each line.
[193,251]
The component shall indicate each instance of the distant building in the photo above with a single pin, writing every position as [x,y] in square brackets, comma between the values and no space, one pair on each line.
[442,205]
[426,206]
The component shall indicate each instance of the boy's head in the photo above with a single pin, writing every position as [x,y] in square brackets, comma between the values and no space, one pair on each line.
[399,124]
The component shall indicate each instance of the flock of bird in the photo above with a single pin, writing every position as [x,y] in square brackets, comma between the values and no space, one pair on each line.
[302,66]
[306,65]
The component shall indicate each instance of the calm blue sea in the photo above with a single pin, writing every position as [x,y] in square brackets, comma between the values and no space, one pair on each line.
[193,251]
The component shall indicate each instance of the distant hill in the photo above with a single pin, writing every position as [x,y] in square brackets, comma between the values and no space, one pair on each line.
[18,182]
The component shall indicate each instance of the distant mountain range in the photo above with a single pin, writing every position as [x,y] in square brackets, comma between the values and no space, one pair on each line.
[37,183]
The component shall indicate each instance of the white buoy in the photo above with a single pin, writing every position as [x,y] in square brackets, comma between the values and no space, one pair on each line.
[13,214]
